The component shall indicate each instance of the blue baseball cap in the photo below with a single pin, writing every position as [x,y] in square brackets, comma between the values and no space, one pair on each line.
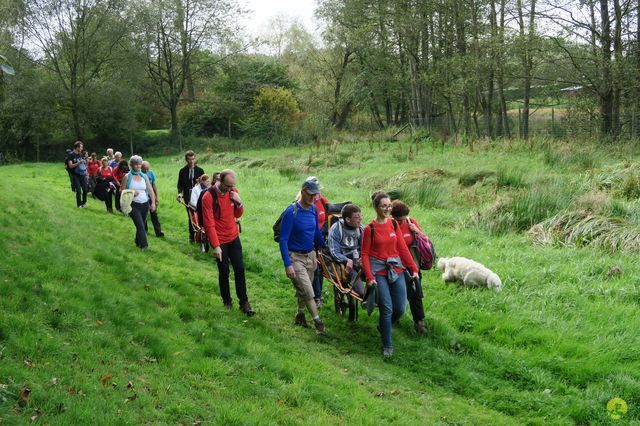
[312,184]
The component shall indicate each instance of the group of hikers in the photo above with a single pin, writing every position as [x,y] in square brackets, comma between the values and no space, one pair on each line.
[380,261]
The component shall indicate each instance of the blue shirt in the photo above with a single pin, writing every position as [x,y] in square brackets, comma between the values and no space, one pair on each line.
[151,176]
[299,232]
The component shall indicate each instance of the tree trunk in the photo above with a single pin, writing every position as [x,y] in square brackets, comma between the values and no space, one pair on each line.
[606,93]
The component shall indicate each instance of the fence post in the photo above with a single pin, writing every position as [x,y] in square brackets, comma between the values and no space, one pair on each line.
[519,123]
[553,122]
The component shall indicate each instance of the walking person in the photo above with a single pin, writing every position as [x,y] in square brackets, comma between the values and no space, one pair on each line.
[299,237]
[106,185]
[78,172]
[408,228]
[92,168]
[118,173]
[187,178]
[153,213]
[385,256]
[143,199]
[221,206]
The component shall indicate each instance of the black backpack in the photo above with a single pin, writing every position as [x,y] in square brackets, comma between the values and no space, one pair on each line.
[278,224]
[216,205]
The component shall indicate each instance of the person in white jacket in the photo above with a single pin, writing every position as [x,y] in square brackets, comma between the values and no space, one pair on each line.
[204,182]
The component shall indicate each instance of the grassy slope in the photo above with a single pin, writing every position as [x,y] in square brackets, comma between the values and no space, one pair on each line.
[80,302]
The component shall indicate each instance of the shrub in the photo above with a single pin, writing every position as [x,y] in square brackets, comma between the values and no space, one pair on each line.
[428,195]
[581,228]
[512,178]
[470,178]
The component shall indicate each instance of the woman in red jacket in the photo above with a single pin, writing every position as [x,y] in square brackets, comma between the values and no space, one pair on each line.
[92,170]
[106,186]
[408,228]
[385,256]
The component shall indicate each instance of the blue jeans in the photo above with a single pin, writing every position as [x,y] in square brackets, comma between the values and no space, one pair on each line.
[392,302]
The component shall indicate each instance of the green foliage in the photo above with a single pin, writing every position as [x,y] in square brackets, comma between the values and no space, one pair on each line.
[510,178]
[580,229]
[471,178]
[274,114]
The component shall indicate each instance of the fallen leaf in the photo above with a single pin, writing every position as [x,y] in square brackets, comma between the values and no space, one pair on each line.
[131,398]
[105,378]
[99,323]
[395,392]
[28,362]
[253,382]
[177,353]
[71,390]
[24,396]
[36,416]
[54,380]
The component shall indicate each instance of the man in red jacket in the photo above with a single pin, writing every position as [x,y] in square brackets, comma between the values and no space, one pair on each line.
[221,206]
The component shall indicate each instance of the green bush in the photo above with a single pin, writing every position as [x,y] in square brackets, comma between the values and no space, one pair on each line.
[428,195]
[512,178]
[471,178]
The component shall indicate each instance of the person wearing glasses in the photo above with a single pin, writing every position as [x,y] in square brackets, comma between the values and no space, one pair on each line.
[221,206]
[385,256]
[143,200]
[299,238]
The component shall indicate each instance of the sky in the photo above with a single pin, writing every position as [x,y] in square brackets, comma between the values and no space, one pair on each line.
[262,11]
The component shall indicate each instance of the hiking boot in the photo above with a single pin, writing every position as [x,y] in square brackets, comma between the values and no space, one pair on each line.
[301,320]
[246,309]
[387,352]
[319,327]
[419,325]
[228,306]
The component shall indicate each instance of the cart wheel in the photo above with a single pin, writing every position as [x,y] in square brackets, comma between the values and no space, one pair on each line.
[353,308]
[337,302]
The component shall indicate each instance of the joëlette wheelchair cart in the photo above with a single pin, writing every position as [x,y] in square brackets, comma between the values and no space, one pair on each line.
[199,235]
[346,298]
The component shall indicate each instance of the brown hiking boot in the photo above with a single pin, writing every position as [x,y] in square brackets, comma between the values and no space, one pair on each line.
[420,327]
[319,327]
[301,320]
[246,309]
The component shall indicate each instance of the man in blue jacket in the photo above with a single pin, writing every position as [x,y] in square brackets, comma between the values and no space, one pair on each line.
[299,237]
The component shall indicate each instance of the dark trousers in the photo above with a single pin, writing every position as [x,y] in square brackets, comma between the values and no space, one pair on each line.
[108,201]
[191,230]
[139,215]
[318,279]
[117,195]
[154,220]
[232,251]
[80,184]
[414,295]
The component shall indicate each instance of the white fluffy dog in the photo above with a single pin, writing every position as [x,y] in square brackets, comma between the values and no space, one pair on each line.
[469,272]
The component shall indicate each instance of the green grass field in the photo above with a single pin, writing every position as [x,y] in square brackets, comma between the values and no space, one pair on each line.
[102,333]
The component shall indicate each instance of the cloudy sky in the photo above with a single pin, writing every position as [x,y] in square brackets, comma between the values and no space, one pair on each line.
[262,11]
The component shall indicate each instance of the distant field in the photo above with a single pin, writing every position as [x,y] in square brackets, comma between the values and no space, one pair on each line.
[102,333]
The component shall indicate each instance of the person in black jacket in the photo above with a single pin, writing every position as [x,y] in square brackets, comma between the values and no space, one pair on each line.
[187,178]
